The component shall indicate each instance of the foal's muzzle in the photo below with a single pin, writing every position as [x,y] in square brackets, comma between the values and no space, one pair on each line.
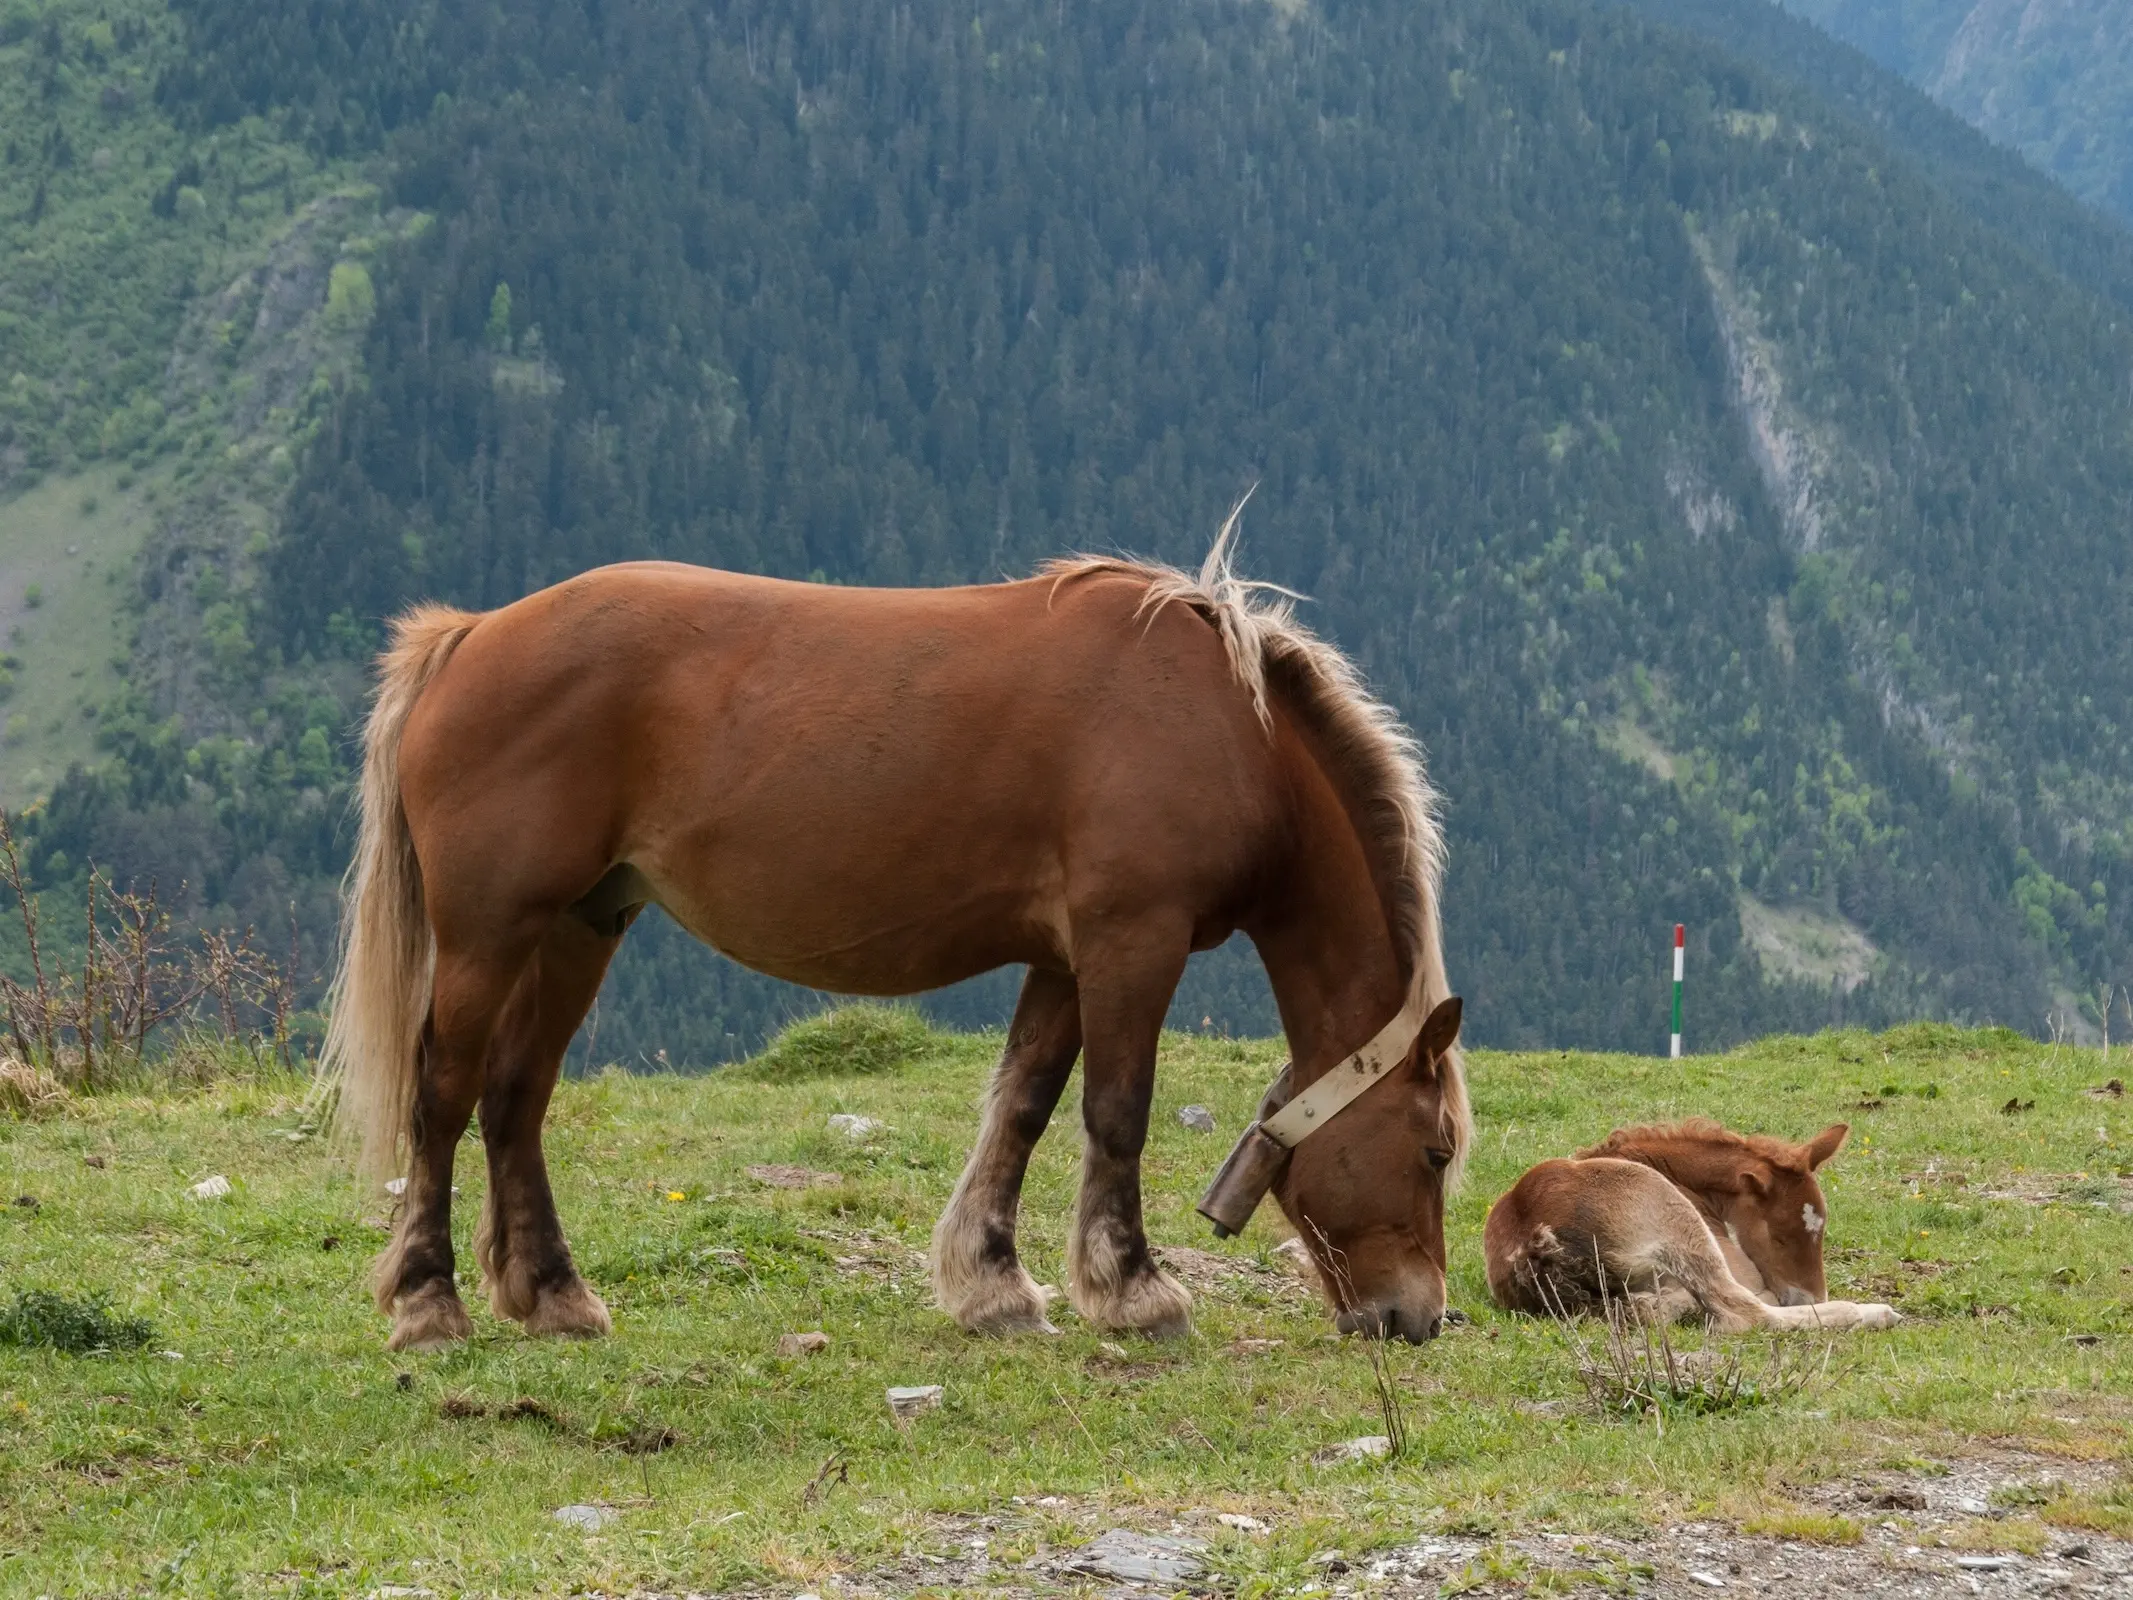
[1390,1322]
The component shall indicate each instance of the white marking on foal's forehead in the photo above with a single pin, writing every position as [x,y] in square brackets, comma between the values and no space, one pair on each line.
[1811,1217]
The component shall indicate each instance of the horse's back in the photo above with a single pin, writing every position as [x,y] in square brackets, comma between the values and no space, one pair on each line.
[789,763]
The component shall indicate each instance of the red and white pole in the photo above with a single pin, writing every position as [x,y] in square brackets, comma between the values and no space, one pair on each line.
[1681,940]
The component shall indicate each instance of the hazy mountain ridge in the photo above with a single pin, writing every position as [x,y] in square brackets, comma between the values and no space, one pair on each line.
[2050,78]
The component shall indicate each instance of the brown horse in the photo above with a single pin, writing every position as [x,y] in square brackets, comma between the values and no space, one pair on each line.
[1092,773]
[1672,1222]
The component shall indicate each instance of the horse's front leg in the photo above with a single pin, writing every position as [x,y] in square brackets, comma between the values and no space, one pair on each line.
[977,1276]
[1126,985]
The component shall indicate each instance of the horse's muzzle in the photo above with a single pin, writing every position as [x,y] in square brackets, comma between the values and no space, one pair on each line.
[1390,1322]
[1793,1295]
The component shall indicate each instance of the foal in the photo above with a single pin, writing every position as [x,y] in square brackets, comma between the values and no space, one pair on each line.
[1674,1221]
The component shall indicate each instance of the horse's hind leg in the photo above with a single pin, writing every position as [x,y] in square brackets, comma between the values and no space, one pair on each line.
[976,1274]
[1126,985]
[415,1282]
[520,1244]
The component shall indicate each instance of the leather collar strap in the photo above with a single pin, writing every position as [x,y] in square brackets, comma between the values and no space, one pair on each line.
[1312,1108]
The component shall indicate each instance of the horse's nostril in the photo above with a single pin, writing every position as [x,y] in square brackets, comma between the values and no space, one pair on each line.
[1436,1326]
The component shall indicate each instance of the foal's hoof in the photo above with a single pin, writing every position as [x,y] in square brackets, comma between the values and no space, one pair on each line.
[431,1319]
[1877,1316]
[569,1311]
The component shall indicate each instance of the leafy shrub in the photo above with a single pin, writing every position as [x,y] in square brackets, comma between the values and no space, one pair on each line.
[851,1041]
[79,1327]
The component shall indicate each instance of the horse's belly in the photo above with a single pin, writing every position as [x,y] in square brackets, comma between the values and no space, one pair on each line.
[841,938]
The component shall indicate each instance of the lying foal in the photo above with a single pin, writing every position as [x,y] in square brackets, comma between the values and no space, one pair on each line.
[1675,1221]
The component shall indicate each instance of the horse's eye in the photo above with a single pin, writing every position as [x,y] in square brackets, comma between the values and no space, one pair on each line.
[1439,1159]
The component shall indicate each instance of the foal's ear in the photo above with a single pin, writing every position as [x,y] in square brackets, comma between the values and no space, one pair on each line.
[1441,1030]
[1825,1144]
[1753,1181]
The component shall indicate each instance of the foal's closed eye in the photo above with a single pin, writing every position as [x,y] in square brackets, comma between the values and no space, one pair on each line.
[1439,1159]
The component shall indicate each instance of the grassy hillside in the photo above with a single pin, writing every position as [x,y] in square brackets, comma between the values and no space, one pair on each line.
[280,1438]
[68,550]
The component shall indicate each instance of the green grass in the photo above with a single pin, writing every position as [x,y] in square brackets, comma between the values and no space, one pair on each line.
[283,1449]
[71,541]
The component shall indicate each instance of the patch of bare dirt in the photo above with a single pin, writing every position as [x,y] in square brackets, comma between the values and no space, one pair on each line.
[1230,1277]
[776,1175]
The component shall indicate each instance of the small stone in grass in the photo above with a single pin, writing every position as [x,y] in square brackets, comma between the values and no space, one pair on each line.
[906,1403]
[215,1188]
[1197,1118]
[1241,1522]
[590,1518]
[1710,1580]
[854,1127]
[93,1161]
[1139,1557]
[1371,1447]
[1986,1563]
[802,1344]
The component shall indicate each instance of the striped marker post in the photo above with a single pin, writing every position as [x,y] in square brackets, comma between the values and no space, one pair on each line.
[1681,939]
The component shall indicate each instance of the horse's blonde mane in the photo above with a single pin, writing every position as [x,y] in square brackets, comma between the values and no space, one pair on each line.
[1375,762]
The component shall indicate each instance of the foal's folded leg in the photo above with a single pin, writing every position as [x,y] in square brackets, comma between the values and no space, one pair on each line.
[977,1276]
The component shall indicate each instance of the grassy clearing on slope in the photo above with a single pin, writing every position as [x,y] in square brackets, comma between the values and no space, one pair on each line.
[282,1448]
[67,549]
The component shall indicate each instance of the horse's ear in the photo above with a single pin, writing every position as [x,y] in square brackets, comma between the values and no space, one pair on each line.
[1278,1092]
[1441,1030]
[1752,1181]
[1826,1144]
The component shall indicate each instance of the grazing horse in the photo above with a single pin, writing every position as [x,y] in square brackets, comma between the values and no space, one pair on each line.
[1091,773]
[1675,1221]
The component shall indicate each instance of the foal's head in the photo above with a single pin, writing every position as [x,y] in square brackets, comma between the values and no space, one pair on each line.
[1366,1192]
[1760,1192]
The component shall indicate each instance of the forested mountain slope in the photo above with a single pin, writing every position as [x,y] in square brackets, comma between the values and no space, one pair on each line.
[1730,500]
[2051,78]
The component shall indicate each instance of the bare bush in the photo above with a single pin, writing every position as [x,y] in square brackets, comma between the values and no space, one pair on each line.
[1630,1368]
[138,977]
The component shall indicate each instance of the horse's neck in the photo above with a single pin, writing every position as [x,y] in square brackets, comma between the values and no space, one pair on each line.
[1329,956]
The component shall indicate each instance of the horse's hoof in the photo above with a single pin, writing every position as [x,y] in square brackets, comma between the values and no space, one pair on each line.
[1876,1316]
[431,1320]
[570,1311]
[1004,1307]
[1153,1304]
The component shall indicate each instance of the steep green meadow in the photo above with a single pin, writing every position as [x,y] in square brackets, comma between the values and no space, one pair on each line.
[281,1449]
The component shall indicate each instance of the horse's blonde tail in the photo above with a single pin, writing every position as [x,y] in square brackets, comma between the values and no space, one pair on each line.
[381,994]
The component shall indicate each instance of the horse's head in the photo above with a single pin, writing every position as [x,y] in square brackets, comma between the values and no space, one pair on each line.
[1366,1191]
[1776,1214]
[1760,1192]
